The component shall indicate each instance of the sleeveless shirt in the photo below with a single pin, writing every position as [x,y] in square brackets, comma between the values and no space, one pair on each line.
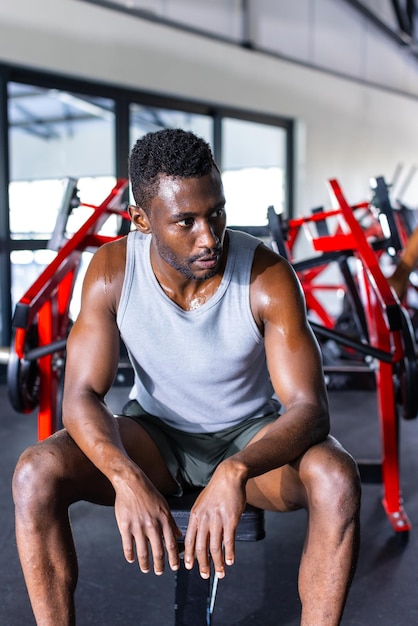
[201,370]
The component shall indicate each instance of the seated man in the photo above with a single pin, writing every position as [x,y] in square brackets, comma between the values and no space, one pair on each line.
[215,324]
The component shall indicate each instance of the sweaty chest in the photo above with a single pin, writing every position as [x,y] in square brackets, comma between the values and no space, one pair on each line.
[193,299]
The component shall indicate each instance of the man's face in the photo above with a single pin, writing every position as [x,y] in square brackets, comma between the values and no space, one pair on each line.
[187,221]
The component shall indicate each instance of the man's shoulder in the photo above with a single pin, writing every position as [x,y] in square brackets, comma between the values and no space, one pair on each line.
[109,259]
[115,248]
[270,270]
[242,238]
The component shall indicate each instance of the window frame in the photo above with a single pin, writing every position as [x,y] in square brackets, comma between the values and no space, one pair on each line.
[122,98]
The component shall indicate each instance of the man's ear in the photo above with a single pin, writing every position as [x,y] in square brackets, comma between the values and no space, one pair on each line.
[139,219]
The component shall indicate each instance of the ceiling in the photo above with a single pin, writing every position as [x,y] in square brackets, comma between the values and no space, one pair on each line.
[396,18]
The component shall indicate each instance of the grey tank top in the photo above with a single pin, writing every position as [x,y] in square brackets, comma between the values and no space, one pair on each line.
[202,370]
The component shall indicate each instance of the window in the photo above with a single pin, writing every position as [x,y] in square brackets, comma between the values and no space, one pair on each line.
[62,130]
[145,119]
[254,170]
[54,135]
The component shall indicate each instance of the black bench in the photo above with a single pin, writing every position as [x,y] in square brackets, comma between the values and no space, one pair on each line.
[195,596]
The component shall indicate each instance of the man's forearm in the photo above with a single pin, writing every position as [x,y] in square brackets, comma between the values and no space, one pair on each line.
[288,438]
[96,432]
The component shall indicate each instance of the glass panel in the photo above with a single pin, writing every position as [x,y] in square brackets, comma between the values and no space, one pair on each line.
[55,133]
[254,170]
[35,204]
[145,119]
[34,207]
[26,266]
[55,136]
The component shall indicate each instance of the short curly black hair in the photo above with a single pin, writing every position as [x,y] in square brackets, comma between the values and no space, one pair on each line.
[171,152]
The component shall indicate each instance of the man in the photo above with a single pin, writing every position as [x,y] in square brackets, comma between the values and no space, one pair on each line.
[214,322]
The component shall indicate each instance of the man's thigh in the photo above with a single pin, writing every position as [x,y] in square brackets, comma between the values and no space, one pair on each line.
[286,488]
[78,478]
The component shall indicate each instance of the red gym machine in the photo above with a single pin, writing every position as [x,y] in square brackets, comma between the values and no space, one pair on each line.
[385,343]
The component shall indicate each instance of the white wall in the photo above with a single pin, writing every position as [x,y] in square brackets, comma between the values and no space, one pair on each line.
[346,129]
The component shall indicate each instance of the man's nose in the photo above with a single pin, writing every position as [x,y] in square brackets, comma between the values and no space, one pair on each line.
[207,237]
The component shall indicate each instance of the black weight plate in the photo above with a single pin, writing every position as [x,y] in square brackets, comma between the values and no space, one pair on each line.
[409,375]
[23,378]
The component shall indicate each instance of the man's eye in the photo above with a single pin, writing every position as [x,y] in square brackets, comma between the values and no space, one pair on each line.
[218,213]
[188,221]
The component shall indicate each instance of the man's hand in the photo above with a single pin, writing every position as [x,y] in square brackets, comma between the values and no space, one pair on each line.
[213,522]
[145,521]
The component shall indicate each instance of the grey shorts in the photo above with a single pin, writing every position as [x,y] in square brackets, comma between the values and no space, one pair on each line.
[193,457]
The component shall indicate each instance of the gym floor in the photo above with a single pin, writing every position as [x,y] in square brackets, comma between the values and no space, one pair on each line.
[261,589]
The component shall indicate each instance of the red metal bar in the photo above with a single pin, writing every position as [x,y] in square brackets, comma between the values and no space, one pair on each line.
[47,414]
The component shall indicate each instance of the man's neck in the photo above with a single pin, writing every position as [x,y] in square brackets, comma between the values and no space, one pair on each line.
[189,294]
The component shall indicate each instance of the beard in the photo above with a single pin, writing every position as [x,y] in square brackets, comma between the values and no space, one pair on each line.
[184,266]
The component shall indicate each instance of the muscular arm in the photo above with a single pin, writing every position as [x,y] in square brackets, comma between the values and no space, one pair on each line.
[92,360]
[295,368]
[142,514]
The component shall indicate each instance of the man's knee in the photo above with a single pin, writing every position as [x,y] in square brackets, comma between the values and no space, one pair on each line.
[36,476]
[332,480]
